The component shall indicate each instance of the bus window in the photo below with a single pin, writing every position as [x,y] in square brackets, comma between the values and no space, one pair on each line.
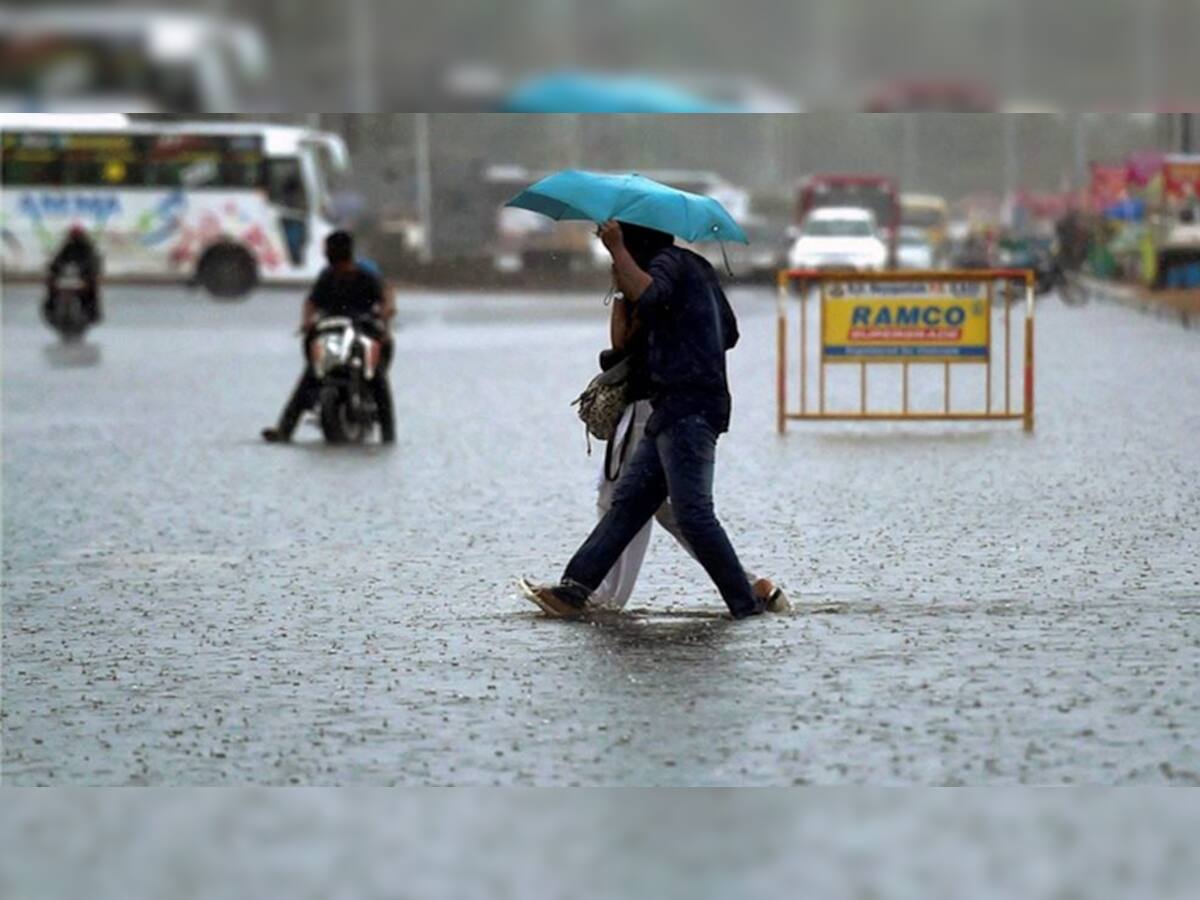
[98,173]
[27,172]
[203,161]
[30,160]
[98,160]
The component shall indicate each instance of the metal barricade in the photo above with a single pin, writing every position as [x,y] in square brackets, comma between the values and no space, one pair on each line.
[905,319]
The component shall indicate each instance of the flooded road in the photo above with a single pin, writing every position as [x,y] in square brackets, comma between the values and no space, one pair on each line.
[184,604]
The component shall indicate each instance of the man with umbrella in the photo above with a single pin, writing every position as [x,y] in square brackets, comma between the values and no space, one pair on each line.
[676,299]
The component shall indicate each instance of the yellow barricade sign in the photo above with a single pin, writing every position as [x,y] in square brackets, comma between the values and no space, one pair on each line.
[903,321]
[897,321]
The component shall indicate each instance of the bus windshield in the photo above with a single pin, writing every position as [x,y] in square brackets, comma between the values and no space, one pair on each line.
[923,216]
[329,167]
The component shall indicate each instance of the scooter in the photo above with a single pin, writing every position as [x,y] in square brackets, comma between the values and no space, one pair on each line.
[345,358]
[1039,255]
[65,309]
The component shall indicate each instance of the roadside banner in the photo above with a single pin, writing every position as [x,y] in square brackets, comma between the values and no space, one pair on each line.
[1109,185]
[917,321]
[1181,174]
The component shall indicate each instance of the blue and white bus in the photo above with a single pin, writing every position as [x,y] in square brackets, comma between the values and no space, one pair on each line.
[227,205]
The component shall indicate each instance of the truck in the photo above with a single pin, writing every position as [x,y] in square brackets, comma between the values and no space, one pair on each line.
[877,193]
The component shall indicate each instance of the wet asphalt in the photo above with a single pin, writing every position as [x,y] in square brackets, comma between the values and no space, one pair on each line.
[184,604]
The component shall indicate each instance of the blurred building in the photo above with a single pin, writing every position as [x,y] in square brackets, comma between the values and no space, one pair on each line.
[402,55]
[96,58]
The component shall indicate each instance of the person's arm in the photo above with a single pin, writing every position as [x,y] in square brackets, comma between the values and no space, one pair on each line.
[621,323]
[55,266]
[631,279]
[311,311]
[387,303]
[91,269]
[308,314]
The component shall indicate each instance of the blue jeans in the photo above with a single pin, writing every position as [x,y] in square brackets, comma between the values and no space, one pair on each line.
[677,463]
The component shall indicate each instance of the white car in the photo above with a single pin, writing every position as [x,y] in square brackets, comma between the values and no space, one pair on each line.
[839,237]
[914,250]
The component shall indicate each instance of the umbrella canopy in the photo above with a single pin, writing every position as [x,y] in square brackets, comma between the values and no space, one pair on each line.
[598,197]
[581,92]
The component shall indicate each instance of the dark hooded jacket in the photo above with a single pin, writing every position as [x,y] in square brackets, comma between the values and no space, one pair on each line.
[78,251]
[688,326]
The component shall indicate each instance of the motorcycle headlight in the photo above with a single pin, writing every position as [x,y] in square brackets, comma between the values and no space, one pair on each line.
[330,351]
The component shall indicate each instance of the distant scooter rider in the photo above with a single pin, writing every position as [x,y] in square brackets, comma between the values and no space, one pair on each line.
[79,252]
[344,288]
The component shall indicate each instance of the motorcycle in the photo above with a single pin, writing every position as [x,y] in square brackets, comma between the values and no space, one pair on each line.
[345,358]
[65,309]
[1041,256]
[973,253]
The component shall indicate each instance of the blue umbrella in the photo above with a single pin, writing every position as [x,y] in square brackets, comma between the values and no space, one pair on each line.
[598,197]
[580,92]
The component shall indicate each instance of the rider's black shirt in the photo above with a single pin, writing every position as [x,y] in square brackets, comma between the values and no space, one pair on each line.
[78,253]
[353,292]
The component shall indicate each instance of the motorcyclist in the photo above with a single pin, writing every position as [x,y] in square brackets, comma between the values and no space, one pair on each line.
[344,288]
[1072,234]
[79,252]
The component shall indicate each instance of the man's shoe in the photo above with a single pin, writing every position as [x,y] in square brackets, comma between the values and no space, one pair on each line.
[275,436]
[553,600]
[773,598]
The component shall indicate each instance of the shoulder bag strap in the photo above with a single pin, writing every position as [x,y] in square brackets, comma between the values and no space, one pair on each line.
[608,449]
